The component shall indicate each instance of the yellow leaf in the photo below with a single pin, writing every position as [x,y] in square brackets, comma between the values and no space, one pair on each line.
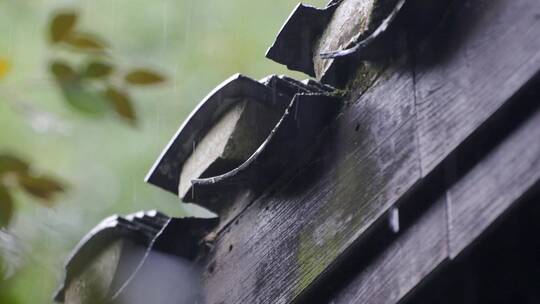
[5,66]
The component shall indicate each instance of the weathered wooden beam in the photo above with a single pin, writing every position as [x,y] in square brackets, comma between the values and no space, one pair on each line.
[289,237]
[497,181]
[479,57]
[501,266]
[486,179]
[405,263]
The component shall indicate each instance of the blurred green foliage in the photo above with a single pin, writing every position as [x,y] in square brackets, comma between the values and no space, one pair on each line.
[197,44]
[16,174]
[92,89]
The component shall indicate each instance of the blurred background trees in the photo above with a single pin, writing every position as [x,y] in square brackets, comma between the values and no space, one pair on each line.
[79,127]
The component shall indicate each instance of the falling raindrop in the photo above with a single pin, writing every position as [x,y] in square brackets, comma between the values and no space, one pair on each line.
[297,105]
[393,220]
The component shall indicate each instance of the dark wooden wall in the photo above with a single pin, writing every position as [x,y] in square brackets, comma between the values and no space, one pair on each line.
[447,134]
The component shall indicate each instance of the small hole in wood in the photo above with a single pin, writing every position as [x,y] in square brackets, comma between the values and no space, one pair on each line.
[237,222]
[230,248]
[357,128]
[212,267]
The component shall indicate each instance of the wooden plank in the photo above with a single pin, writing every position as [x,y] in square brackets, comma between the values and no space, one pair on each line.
[488,176]
[501,267]
[403,265]
[494,184]
[483,53]
[287,238]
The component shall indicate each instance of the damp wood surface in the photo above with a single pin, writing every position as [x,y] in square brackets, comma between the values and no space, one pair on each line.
[416,252]
[390,138]
[478,194]
[495,183]
[287,238]
[483,53]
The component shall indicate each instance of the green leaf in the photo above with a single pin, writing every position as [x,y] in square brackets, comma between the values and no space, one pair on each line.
[61,26]
[144,77]
[84,99]
[85,42]
[6,297]
[42,187]
[62,71]
[12,164]
[6,207]
[78,94]
[97,69]
[122,104]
